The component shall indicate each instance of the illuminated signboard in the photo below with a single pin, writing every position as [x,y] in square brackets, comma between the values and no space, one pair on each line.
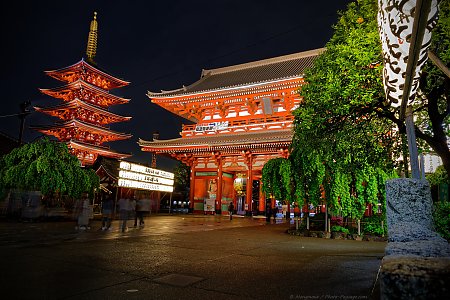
[211,126]
[145,178]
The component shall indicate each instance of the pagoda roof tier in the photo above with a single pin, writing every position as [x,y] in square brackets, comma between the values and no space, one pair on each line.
[242,75]
[85,71]
[269,140]
[87,153]
[86,92]
[101,150]
[82,110]
[76,128]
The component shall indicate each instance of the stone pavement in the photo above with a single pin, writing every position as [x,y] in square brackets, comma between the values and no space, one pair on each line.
[22,233]
[183,257]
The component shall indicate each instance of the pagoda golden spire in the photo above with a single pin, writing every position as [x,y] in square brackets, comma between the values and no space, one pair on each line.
[91,49]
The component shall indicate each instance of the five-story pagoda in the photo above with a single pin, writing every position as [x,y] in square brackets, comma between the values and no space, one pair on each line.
[84,116]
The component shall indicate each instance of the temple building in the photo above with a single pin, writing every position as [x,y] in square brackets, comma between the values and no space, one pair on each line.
[83,115]
[242,117]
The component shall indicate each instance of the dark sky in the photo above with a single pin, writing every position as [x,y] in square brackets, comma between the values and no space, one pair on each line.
[154,44]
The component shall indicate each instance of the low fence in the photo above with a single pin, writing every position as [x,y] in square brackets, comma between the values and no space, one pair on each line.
[364,225]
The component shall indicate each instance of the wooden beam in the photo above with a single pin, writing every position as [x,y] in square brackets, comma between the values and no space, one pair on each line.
[422,11]
[439,63]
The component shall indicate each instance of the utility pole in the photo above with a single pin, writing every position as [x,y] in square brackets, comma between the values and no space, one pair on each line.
[156,195]
[24,112]
[155,137]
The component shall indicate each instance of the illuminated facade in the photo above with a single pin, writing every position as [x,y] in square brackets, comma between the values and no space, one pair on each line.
[243,117]
[83,116]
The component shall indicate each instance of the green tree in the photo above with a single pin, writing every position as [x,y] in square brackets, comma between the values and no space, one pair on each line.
[432,109]
[182,177]
[340,141]
[344,137]
[46,166]
[277,179]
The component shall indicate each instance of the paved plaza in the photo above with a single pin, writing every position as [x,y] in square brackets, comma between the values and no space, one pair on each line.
[183,257]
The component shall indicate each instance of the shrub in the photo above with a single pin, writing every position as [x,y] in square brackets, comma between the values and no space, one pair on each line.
[372,225]
[337,228]
[339,221]
[438,177]
[441,216]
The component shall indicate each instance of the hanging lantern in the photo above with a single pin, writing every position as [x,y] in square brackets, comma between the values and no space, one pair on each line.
[240,184]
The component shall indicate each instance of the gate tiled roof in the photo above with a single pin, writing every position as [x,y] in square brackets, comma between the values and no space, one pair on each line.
[261,71]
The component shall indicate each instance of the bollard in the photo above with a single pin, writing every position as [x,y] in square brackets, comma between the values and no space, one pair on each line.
[359,227]
[307,221]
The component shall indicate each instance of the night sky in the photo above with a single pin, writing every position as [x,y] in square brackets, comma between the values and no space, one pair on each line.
[156,45]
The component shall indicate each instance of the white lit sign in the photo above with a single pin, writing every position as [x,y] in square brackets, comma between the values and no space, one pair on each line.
[144,185]
[145,178]
[141,177]
[211,126]
[145,170]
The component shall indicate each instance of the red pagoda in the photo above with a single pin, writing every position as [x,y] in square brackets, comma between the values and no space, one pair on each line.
[83,115]
[243,117]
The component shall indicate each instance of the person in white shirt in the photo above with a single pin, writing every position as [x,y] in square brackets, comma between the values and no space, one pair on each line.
[83,212]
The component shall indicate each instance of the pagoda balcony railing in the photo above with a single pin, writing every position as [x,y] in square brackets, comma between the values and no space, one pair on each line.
[264,123]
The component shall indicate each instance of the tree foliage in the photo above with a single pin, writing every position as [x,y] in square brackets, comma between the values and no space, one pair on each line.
[344,131]
[441,217]
[46,166]
[340,143]
[182,177]
[277,179]
[432,107]
[438,177]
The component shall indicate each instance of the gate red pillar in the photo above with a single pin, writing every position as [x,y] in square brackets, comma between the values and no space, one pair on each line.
[249,161]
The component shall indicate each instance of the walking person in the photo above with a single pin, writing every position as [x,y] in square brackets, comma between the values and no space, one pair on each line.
[83,212]
[107,210]
[274,213]
[268,213]
[124,208]
[132,208]
[142,207]
[231,209]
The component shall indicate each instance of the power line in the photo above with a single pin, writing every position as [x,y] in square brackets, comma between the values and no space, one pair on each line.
[15,115]
[221,56]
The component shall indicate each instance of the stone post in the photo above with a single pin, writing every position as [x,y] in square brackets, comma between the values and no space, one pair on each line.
[307,221]
[416,256]
[359,227]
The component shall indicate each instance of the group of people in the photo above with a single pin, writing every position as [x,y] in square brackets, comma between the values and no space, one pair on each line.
[128,208]
[132,208]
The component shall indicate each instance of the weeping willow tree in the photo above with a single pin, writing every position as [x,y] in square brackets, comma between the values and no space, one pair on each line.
[277,179]
[341,148]
[48,167]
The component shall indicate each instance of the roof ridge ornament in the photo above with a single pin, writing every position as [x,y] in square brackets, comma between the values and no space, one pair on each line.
[91,49]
